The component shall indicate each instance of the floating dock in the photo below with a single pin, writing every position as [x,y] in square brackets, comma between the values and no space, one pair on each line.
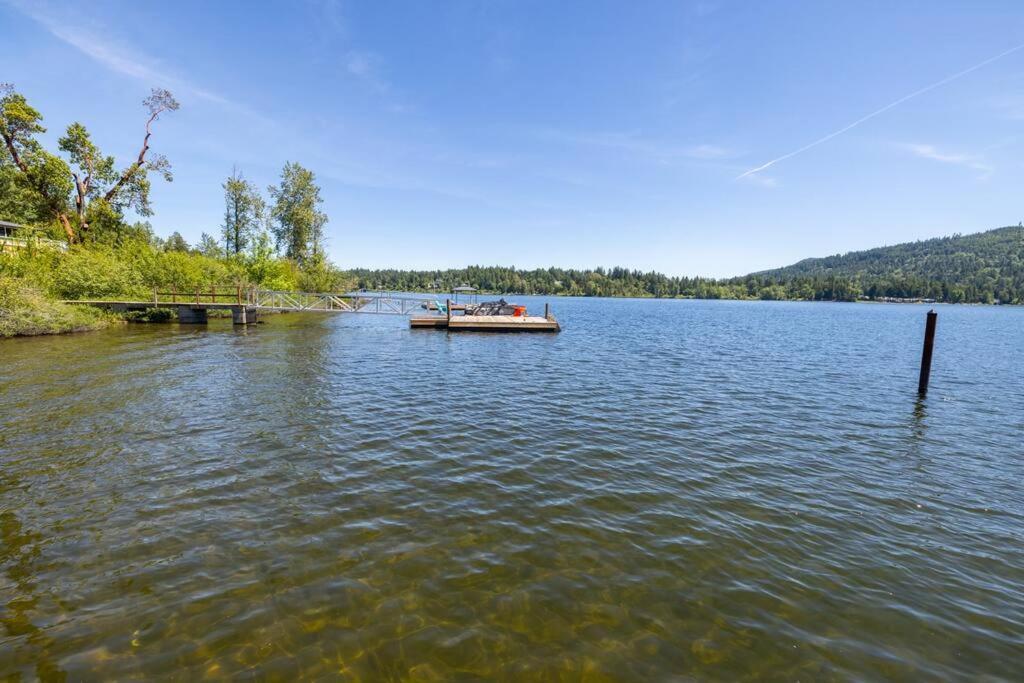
[487,323]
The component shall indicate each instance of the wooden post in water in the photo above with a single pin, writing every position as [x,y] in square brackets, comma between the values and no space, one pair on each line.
[547,311]
[926,353]
[448,309]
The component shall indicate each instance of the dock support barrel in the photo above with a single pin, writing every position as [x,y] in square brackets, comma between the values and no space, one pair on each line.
[926,353]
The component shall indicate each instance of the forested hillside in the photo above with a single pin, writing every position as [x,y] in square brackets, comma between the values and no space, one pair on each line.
[980,268]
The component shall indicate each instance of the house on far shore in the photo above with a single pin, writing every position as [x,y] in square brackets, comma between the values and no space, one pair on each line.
[10,241]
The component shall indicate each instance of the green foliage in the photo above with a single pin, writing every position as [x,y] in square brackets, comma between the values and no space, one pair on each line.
[85,195]
[176,243]
[266,270]
[83,191]
[96,273]
[24,310]
[126,271]
[40,183]
[150,315]
[209,247]
[244,214]
[19,203]
[320,275]
[980,268]
[298,223]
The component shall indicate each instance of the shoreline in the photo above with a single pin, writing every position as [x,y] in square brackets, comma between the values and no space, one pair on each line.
[47,317]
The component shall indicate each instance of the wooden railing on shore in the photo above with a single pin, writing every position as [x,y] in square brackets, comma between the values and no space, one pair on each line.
[226,294]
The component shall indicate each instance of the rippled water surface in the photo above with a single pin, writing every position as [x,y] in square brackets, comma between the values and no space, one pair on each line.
[667,489]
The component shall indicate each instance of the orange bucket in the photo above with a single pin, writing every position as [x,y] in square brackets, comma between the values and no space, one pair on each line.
[520,311]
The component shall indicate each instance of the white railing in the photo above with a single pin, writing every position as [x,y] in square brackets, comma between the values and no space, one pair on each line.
[329,302]
[14,243]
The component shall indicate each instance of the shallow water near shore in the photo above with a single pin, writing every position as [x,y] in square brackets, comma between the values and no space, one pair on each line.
[719,490]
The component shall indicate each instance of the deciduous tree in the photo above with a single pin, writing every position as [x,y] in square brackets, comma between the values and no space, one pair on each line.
[298,224]
[86,187]
[243,213]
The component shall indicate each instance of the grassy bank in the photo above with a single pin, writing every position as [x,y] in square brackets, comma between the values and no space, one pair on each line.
[24,310]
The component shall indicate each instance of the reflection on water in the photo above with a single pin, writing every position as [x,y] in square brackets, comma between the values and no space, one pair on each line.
[920,414]
[668,488]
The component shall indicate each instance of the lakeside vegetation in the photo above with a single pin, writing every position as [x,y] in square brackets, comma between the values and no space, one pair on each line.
[83,199]
[25,310]
[277,241]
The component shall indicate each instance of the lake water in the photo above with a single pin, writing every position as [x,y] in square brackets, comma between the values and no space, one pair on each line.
[666,489]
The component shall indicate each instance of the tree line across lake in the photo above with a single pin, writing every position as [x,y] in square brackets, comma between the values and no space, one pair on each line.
[985,267]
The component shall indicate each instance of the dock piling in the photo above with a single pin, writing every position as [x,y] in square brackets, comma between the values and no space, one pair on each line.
[547,311]
[448,309]
[190,315]
[926,353]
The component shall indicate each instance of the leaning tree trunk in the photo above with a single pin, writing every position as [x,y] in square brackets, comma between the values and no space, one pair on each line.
[66,224]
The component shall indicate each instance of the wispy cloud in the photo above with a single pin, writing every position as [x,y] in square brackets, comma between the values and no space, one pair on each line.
[365,66]
[969,161]
[879,112]
[105,49]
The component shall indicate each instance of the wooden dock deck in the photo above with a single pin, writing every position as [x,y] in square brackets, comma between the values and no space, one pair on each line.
[487,323]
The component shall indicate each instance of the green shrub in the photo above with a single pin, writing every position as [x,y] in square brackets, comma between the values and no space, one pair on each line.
[98,272]
[24,310]
[150,315]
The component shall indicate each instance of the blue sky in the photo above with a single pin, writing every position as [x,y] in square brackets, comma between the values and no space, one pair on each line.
[572,134]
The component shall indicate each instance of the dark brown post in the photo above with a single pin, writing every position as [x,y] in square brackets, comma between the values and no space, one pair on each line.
[926,353]
[547,311]
[448,309]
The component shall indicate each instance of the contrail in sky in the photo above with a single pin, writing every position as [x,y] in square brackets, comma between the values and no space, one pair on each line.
[884,109]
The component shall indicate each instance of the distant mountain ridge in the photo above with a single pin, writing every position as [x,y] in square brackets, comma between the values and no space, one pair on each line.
[979,267]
